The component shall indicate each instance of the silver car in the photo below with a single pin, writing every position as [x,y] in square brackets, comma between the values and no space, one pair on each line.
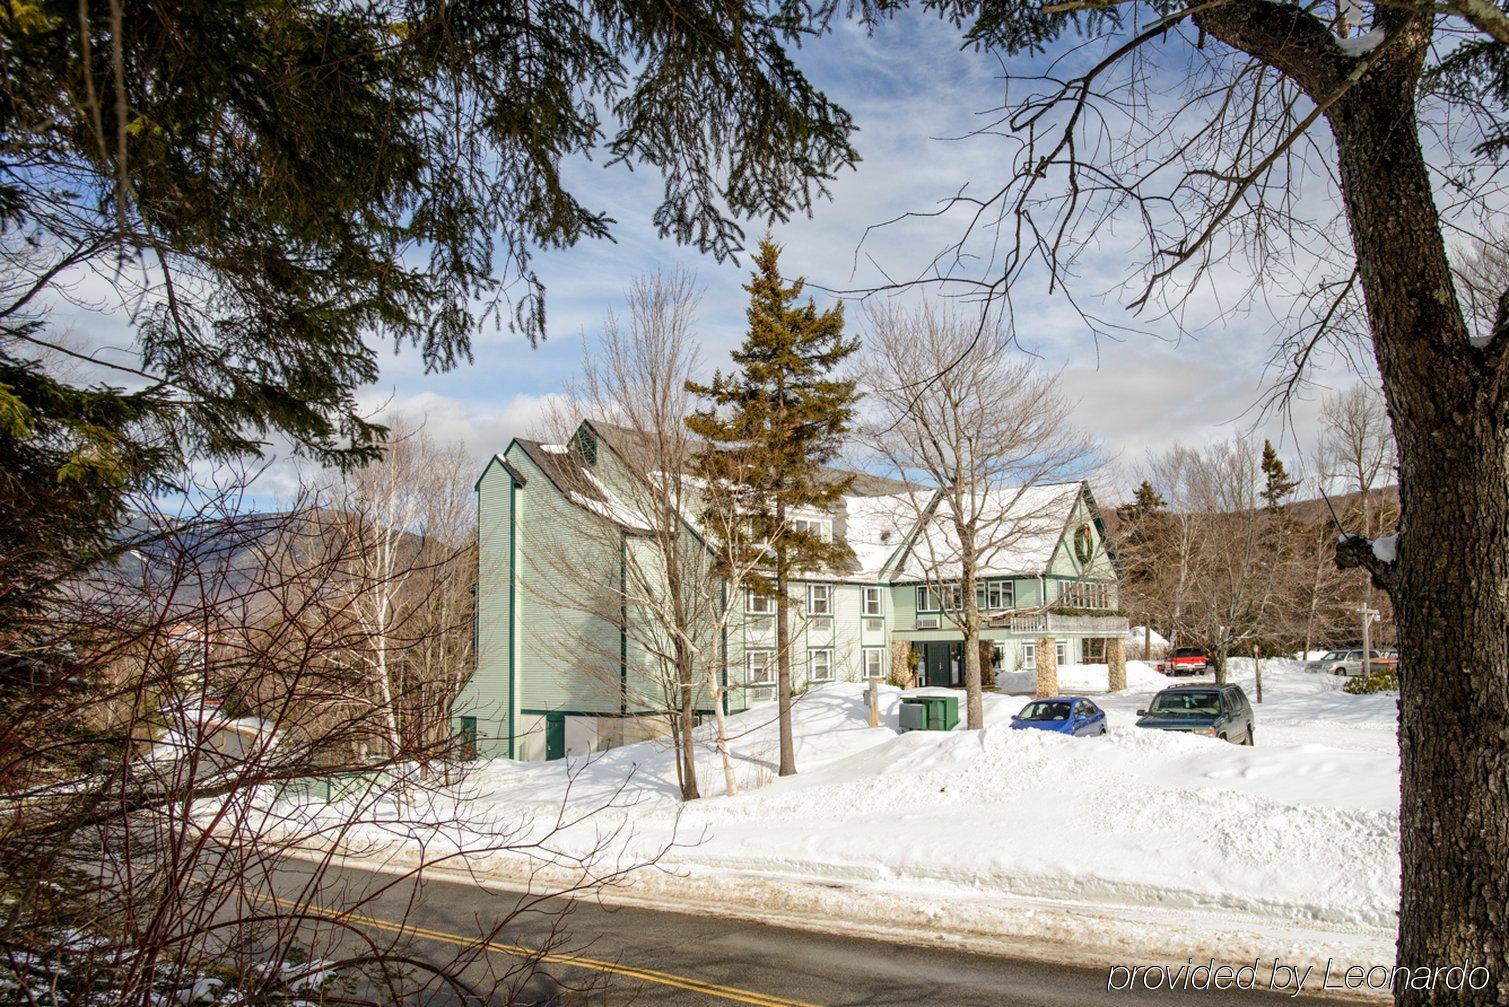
[1344,662]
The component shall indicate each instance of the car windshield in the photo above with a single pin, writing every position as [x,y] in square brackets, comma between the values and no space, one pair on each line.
[1187,652]
[1332,655]
[1192,704]
[1053,709]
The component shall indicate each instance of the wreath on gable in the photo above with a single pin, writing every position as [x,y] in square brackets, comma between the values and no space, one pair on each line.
[1084,544]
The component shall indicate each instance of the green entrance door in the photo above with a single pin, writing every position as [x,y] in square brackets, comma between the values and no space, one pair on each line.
[555,736]
[935,660]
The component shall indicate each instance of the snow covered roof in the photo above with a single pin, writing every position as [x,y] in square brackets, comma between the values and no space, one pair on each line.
[1024,525]
[877,518]
[877,527]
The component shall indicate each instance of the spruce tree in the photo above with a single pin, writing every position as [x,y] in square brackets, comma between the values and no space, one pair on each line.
[772,426]
[1141,524]
[1277,483]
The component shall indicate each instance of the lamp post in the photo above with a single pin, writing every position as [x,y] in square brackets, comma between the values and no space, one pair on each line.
[1368,617]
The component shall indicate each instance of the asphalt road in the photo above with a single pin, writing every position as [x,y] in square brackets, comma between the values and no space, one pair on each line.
[607,955]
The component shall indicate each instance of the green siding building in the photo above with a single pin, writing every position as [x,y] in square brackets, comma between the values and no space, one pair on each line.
[563,667]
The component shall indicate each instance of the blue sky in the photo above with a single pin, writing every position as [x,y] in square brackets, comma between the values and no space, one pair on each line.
[913,94]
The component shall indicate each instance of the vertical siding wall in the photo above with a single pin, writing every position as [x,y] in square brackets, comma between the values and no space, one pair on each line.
[570,641]
[486,696]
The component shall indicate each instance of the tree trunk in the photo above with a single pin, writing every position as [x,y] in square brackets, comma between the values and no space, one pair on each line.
[1450,582]
[783,666]
[1045,653]
[1116,664]
[973,694]
[686,742]
[1218,662]
[720,723]
[1257,672]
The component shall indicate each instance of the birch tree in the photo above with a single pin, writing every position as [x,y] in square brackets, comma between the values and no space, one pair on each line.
[990,432]
[402,528]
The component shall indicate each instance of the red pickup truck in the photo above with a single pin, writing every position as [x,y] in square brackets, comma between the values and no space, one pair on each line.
[1183,661]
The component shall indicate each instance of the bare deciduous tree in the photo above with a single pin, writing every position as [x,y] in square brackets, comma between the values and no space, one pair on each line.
[181,773]
[681,569]
[1226,573]
[991,434]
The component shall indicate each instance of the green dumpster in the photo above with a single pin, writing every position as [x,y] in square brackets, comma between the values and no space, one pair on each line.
[929,713]
[942,712]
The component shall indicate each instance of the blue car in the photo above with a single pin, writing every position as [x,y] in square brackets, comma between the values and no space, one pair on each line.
[1074,715]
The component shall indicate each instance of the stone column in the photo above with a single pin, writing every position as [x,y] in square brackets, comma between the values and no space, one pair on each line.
[1116,663]
[1046,658]
[901,664]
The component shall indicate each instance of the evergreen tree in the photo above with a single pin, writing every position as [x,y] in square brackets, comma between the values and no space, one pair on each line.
[771,427]
[1277,485]
[1144,502]
[279,189]
[1141,522]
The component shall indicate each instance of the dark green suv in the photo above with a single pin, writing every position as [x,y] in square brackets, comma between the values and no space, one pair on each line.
[1220,711]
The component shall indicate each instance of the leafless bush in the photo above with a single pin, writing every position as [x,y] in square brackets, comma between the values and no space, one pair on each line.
[191,738]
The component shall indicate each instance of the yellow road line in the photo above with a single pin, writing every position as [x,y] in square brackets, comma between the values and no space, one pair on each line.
[646,975]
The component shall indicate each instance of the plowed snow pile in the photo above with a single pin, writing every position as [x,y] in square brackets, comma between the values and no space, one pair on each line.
[1298,832]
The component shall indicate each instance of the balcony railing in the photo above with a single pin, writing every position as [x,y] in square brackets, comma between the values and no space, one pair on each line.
[1054,624]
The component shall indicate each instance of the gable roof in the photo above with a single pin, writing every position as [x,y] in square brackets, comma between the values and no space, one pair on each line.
[878,518]
[1041,514]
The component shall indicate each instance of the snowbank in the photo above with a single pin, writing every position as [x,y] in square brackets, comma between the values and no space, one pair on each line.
[1297,834]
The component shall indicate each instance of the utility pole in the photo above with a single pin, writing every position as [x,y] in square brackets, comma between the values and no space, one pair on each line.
[874,702]
[1368,616]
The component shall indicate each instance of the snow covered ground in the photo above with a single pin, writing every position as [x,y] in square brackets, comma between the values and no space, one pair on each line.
[1137,841]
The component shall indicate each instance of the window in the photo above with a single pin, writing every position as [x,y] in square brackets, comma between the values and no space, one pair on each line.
[1061,646]
[586,446]
[1000,595]
[759,666]
[874,662]
[998,657]
[820,528]
[927,599]
[872,601]
[948,597]
[819,599]
[820,665]
[1029,654]
[758,604]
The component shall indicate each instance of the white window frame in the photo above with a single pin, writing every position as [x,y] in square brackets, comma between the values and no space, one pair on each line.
[1000,595]
[1061,651]
[878,654]
[822,527]
[827,596]
[927,598]
[812,656]
[1029,657]
[871,594]
[758,604]
[768,668]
